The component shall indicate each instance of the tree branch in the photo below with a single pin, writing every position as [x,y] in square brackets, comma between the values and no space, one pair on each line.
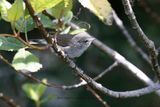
[131,41]
[8,100]
[149,45]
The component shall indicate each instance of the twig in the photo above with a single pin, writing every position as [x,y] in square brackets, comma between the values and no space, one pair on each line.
[104,103]
[149,45]
[82,83]
[131,41]
[8,100]
[29,75]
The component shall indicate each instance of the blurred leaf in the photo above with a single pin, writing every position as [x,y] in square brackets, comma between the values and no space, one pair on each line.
[10,44]
[34,91]
[40,5]
[4,6]
[25,24]
[66,30]
[26,61]
[46,21]
[68,17]
[61,9]
[40,89]
[12,12]
[101,8]
[47,98]
[77,31]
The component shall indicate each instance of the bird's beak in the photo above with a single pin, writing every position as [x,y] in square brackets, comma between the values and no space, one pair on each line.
[91,38]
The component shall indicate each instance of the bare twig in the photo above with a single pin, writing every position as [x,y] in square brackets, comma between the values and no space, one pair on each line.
[104,103]
[149,45]
[82,83]
[131,41]
[8,100]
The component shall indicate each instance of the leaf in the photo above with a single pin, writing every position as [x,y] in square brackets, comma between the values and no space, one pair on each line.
[77,31]
[10,44]
[46,21]
[26,61]
[16,11]
[40,89]
[101,8]
[27,23]
[34,91]
[12,12]
[68,17]
[40,5]
[29,89]
[47,98]
[4,6]
[61,9]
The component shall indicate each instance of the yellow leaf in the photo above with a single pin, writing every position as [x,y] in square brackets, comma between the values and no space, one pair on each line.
[101,8]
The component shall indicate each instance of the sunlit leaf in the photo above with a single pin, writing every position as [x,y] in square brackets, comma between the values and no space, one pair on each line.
[40,5]
[61,9]
[12,12]
[4,6]
[34,91]
[77,31]
[101,8]
[26,61]
[10,44]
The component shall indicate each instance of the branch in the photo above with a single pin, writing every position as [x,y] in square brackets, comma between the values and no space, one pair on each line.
[131,41]
[8,100]
[149,45]
[104,103]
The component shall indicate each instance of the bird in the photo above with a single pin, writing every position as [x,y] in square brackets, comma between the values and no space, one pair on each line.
[73,45]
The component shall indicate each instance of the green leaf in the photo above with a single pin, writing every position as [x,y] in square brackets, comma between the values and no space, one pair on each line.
[29,89]
[26,61]
[12,12]
[40,89]
[34,91]
[4,6]
[40,5]
[68,17]
[101,8]
[47,98]
[77,31]
[10,44]
[61,9]
[24,25]
[46,21]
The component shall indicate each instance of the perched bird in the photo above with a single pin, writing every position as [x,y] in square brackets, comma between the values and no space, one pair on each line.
[73,45]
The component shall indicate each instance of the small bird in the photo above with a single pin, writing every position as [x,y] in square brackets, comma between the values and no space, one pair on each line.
[74,45]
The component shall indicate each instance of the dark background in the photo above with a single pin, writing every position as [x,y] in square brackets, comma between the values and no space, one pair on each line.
[92,62]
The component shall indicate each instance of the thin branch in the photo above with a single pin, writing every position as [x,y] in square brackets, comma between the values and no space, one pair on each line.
[115,64]
[149,45]
[131,41]
[82,83]
[29,75]
[8,100]
[104,103]
[24,42]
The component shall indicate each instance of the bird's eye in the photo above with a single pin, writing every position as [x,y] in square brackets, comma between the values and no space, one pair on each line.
[86,41]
